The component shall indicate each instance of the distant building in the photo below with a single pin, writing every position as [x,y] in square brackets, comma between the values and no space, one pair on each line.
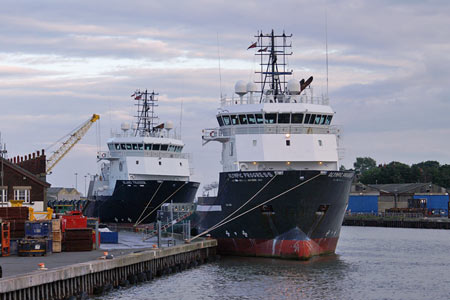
[24,179]
[61,193]
[376,198]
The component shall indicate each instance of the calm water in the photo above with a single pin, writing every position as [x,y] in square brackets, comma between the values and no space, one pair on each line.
[370,263]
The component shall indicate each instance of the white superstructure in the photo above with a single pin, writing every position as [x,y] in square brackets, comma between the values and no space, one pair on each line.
[281,126]
[147,152]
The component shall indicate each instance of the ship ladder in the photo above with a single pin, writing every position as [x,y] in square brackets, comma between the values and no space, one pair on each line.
[168,225]
[251,209]
[165,200]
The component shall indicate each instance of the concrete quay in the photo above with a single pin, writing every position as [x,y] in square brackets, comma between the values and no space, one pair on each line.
[82,273]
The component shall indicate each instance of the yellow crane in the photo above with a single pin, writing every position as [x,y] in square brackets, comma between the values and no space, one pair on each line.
[71,141]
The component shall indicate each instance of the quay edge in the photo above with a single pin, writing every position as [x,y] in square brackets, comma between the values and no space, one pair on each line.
[63,282]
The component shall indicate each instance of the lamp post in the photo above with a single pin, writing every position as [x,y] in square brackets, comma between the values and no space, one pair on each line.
[76,181]
[85,177]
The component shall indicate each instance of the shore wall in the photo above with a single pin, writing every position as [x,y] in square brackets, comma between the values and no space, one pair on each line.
[442,223]
[96,277]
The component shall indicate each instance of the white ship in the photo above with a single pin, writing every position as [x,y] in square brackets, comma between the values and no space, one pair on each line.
[143,168]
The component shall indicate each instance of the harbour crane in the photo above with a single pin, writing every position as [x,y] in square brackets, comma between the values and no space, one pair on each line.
[74,137]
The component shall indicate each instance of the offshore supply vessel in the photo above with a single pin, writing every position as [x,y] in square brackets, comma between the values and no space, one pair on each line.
[280,193]
[143,168]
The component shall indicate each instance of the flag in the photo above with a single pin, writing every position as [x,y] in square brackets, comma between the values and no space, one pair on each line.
[252,46]
[262,50]
[133,95]
[138,97]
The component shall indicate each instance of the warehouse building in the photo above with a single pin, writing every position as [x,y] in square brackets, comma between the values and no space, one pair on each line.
[377,198]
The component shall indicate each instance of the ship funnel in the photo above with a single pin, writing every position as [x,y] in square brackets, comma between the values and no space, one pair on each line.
[293,87]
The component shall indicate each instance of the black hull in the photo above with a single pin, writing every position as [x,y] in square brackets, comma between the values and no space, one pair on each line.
[129,201]
[303,219]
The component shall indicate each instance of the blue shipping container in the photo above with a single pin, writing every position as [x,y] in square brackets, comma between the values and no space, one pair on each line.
[38,229]
[109,237]
[363,204]
[435,201]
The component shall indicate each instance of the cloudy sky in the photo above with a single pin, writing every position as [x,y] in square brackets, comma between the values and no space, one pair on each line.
[62,61]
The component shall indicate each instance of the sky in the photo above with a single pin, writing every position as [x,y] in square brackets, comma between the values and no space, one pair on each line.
[62,61]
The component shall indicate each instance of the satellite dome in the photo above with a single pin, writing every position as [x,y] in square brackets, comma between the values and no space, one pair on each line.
[252,87]
[293,87]
[240,88]
[168,125]
[125,126]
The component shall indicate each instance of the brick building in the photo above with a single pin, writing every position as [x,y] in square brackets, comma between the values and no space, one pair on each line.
[24,179]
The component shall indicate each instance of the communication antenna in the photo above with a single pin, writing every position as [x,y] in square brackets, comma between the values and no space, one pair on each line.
[220,69]
[326,43]
[181,116]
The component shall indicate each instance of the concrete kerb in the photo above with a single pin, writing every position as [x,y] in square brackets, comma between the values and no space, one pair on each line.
[36,278]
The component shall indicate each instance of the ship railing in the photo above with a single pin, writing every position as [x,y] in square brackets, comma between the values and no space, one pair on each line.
[254,98]
[141,153]
[222,133]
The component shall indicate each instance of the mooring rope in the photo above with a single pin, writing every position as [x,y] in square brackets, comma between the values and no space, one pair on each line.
[251,198]
[154,194]
[249,210]
[161,203]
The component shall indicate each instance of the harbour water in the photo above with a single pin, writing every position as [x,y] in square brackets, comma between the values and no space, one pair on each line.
[370,263]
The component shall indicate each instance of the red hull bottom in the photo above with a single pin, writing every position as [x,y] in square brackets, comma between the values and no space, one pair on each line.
[290,249]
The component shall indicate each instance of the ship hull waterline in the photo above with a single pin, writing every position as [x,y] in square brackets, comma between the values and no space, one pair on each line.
[289,214]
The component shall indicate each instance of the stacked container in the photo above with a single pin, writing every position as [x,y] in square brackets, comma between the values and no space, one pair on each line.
[38,232]
[78,239]
[57,235]
[16,216]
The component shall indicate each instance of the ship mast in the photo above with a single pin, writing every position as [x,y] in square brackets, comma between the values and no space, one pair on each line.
[270,69]
[146,103]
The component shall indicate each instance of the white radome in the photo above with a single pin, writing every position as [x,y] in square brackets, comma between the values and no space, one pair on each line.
[293,86]
[125,126]
[240,88]
[168,125]
[252,87]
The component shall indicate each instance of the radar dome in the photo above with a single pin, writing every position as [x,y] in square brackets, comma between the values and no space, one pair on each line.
[293,87]
[240,88]
[168,125]
[252,87]
[125,126]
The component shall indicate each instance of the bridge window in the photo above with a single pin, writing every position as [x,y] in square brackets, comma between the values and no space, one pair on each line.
[234,120]
[312,119]
[135,147]
[140,146]
[128,146]
[171,148]
[328,121]
[259,119]
[317,119]
[284,118]
[156,147]
[270,118]
[243,119]
[307,117]
[148,147]
[297,118]
[251,119]
[117,146]
[226,120]
[123,147]
[164,147]
[219,119]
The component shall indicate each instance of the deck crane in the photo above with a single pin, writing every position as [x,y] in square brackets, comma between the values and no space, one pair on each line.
[68,144]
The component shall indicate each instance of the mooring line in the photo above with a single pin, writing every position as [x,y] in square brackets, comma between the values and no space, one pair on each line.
[154,194]
[259,205]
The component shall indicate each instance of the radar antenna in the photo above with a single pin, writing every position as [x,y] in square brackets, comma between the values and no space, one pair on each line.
[146,103]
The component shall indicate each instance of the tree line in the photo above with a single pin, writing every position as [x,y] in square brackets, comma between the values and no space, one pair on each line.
[396,172]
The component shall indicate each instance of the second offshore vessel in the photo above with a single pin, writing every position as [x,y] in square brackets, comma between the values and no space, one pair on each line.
[143,168]
[280,193]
